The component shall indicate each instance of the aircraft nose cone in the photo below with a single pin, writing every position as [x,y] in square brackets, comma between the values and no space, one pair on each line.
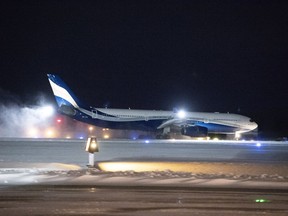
[254,126]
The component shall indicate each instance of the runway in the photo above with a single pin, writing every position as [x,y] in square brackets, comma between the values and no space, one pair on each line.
[73,151]
[241,158]
[155,177]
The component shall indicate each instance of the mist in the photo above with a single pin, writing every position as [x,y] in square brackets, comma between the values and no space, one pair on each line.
[19,120]
[40,120]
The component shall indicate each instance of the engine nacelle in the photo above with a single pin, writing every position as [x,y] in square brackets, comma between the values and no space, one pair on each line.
[195,131]
[67,110]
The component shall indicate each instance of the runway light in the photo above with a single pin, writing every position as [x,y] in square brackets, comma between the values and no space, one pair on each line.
[147,141]
[258,144]
[92,145]
[261,200]
[50,133]
[92,190]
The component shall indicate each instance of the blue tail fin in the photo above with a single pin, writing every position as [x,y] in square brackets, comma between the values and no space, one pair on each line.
[63,94]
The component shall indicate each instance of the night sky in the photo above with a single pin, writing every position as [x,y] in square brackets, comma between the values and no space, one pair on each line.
[224,56]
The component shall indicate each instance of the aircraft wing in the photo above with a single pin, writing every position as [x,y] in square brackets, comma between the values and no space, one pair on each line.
[178,122]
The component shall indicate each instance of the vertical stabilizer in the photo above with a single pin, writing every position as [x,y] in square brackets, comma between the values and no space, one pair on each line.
[63,94]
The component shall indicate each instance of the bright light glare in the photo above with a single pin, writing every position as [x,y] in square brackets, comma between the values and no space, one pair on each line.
[32,132]
[261,200]
[93,145]
[181,114]
[46,111]
[147,141]
[258,144]
[50,133]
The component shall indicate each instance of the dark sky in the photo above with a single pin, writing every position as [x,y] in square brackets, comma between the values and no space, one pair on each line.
[201,55]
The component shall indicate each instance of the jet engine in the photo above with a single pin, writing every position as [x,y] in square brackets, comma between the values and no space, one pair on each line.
[67,110]
[194,131]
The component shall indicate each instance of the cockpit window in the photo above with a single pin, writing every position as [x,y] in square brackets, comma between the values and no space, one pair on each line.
[251,120]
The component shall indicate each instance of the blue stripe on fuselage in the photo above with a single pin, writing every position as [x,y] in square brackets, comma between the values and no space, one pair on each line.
[212,127]
[135,125]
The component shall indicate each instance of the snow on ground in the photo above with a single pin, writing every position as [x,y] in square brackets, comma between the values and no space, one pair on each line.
[69,174]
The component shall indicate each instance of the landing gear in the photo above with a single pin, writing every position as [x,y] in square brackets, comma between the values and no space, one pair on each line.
[165,134]
[237,135]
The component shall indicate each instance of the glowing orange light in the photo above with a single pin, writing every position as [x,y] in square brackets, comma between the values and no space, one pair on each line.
[106,136]
[50,133]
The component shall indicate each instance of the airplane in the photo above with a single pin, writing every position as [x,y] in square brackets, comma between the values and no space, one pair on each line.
[193,124]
